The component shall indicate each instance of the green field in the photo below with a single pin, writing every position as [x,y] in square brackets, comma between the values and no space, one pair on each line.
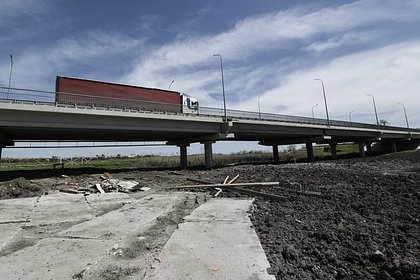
[155,161]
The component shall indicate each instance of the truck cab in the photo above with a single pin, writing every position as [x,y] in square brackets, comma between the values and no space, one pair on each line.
[189,104]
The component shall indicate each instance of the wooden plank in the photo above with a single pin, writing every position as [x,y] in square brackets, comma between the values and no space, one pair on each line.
[259,184]
[261,194]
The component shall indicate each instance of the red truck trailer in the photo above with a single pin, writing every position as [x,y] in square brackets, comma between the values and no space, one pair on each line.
[97,93]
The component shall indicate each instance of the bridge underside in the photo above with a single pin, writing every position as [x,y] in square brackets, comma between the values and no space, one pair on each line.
[30,122]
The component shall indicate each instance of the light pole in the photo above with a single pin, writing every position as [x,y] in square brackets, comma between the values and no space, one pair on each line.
[171,84]
[406,119]
[350,116]
[313,115]
[10,76]
[223,85]
[259,108]
[374,107]
[325,101]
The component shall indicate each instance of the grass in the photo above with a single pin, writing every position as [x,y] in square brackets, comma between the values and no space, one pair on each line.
[155,161]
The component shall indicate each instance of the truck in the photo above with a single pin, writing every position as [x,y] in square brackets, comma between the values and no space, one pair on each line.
[105,94]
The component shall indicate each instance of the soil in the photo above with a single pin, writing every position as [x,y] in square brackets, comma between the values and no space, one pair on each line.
[344,219]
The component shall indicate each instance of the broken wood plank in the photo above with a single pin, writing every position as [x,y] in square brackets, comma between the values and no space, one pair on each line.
[261,194]
[258,184]
[233,180]
[98,186]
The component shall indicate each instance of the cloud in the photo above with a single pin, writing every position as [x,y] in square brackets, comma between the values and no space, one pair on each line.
[291,41]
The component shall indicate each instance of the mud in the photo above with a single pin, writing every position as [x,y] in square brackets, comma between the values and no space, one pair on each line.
[345,219]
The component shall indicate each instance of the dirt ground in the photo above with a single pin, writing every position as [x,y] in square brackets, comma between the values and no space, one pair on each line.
[345,219]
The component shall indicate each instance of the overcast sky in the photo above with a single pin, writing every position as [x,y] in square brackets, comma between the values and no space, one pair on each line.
[272,49]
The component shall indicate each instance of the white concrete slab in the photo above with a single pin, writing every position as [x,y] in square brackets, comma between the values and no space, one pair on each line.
[52,258]
[102,203]
[124,220]
[8,232]
[60,208]
[16,210]
[215,242]
[14,213]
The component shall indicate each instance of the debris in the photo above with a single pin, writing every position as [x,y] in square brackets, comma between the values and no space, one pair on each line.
[98,186]
[70,191]
[255,193]
[175,173]
[108,175]
[128,185]
[260,184]
[64,176]
[219,190]
[145,189]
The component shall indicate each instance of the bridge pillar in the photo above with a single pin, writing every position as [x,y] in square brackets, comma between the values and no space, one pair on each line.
[333,150]
[394,147]
[368,146]
[276,154]
[183,155]
[1,148]
[310,151]
[362,153]
[208,155]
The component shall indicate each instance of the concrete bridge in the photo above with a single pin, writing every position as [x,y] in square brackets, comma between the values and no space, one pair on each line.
[30,120]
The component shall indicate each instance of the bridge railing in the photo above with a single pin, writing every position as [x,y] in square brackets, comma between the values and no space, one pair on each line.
[90,101]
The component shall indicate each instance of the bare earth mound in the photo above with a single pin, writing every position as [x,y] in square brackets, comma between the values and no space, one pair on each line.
[346,219]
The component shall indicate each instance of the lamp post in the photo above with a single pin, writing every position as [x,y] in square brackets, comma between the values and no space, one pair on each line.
[325,100]
[259,107]
[171,84]
[350,116]
[223,85]
[405,114]
[374,107]
[313,115]
[10,76]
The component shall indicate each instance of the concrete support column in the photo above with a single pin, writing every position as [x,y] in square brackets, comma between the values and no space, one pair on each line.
[183,154]
[362,153]
[1,148]
[310,151]
[394,147]
[276,154]
[208,155]
[333,150]
[368,146]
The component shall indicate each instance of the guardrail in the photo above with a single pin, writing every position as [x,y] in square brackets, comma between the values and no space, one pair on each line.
[112,103]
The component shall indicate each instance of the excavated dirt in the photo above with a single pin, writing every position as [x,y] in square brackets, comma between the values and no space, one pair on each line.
[345,219]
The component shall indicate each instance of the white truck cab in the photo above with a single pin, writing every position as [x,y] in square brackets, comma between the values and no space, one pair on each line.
[189,104]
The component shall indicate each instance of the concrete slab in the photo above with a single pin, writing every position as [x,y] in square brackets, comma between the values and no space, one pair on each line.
[60,208]
[89,250]
[14,213]
[124,220]
[52,258]
[215,242]
[8,232]
[103,203]
[16,210]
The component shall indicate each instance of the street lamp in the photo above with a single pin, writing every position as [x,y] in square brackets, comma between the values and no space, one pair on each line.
[350,116]
[405,113]
[374,107]
[223,85]
[10,76]
[171,84]
[259,108]
[325,101]
[313,115]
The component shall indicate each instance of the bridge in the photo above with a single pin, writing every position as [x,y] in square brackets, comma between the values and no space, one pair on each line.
[31,115]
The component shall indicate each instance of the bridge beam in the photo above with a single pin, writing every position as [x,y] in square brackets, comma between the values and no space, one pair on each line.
[183,155]
[333,150]
[310,151]
[276,154]
[362,145]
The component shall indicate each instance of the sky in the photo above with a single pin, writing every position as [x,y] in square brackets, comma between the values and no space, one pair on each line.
[272,51]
